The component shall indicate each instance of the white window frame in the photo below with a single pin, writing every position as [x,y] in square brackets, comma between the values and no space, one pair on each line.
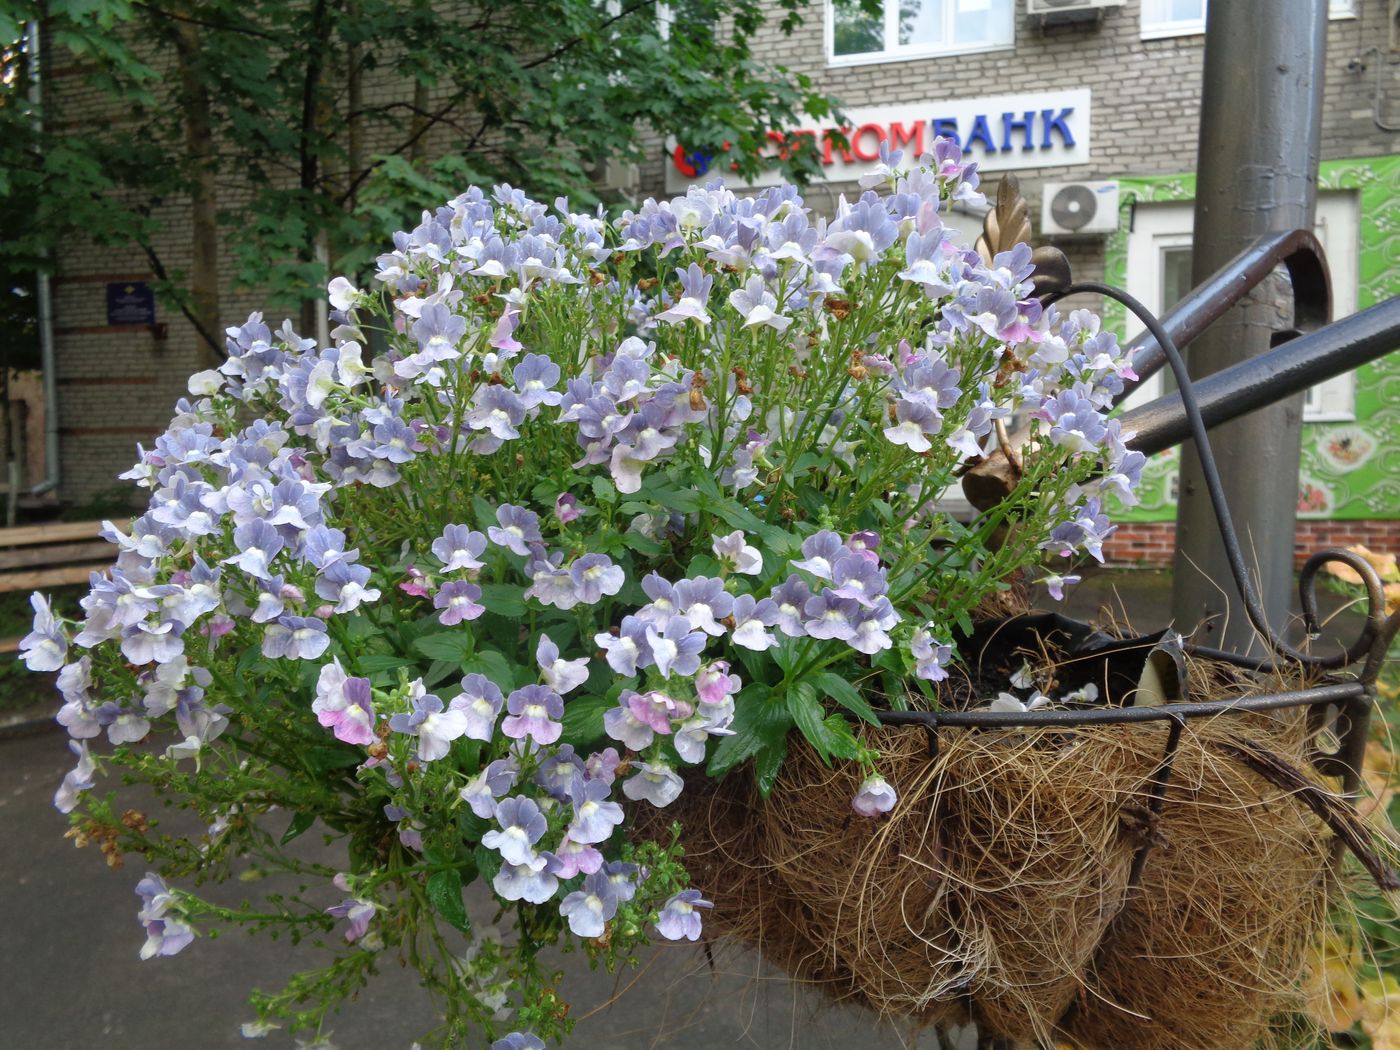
[1161,226]
[1336,11]
[896,53]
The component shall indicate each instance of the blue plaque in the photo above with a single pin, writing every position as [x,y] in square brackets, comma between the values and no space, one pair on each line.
[131,302]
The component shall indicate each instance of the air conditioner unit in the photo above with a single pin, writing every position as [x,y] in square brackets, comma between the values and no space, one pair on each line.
[1053,12]
[616,177]
[1079,208]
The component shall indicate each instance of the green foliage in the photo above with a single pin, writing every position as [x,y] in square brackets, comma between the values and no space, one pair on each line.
[335,124]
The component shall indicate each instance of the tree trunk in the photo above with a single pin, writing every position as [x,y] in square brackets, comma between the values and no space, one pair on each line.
[204,222]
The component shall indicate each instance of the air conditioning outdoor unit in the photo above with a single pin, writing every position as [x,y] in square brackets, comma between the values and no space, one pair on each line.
[1079,208]
[1052,12]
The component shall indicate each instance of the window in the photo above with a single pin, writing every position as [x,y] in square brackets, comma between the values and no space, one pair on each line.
[1163,18]
[1159,274]
[916,29]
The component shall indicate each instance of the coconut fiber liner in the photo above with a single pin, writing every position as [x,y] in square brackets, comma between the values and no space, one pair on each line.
[998,889]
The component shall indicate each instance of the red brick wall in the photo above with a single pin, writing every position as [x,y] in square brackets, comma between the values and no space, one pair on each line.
[1150,543]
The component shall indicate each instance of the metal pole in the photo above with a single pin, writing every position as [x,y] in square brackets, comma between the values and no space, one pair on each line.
[1261,108]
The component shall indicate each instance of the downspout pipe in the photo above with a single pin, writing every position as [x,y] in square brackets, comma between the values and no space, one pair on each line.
[47,357]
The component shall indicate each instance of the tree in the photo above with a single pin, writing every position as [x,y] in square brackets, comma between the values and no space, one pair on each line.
[306,132]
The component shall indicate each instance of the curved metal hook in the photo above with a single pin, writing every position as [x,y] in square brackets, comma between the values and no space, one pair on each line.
[1216,491]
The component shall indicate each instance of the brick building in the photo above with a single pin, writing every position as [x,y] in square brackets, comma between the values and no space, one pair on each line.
[1096,109]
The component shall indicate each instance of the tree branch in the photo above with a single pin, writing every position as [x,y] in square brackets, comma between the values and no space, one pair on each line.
[221,26]
[158,268]
[562,48]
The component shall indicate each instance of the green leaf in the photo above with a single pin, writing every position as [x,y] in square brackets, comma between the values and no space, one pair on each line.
[767,764]
[488,863]
[300,822]
[603,490]
[445,893]
[326,759]
[847,695]
[758,723]
[807,712]
[503,599]
[842,741]
[583,719]
[452,646]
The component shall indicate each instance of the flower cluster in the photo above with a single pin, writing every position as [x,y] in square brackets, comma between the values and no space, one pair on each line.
[609,505]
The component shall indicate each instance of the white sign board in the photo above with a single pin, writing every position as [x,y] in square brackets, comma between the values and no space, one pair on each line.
[1004,132]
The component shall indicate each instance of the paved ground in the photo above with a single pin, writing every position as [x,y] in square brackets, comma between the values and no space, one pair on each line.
[70,977]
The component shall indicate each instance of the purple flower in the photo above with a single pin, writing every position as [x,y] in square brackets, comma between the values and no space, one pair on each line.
[258,543]
[588,909]
[663,600]
[656,782]
[165,934]
[295,638]
[593,576]
[576,859]
[704,602]
[490,784]
[45,648]
[534,713]
[76,780]
[819,553]
[459,548]
[458,601]
[344,584]
[498,411]
[622,879]
[434,727]
[625,727]
[676,648]
[566,508]
[557,773]
[791,600]
[931,657]
[535,376]
[736,555]
[562,676]
[345,705]
[518,528]
[758,306]
[657,710]
[751,618]
[522,825]
[874,797]
[628,649]
[602,765]
[518,1041]
[714,685]
[534,881]
[678,919]
[695,293]
[595,815]
[480,703]
[872,626]
[1056,585]
[828,615]
[914,423]
[359,912]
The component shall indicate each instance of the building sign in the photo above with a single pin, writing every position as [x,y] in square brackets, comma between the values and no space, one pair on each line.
[1020,132]
[131,302]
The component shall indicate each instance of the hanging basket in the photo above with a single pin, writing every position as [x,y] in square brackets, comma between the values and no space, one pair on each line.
[1114,877]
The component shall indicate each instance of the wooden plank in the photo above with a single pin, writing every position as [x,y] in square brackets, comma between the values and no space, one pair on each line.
[53,532]
[59,554]
[38,578]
